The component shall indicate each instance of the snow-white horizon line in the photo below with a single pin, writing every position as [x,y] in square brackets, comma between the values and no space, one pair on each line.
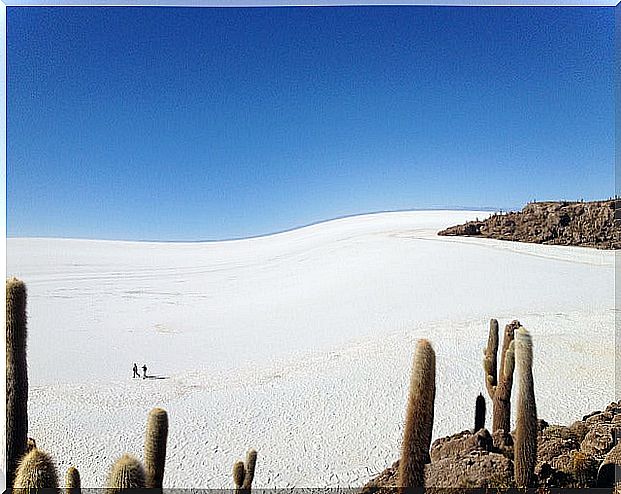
[484,209]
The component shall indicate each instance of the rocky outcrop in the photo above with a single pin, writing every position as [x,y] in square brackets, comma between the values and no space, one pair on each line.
[587,224]
[567,457]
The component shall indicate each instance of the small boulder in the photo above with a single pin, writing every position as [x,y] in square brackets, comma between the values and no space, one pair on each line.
[599,440]
[610,469]
[461,444]
[474,470]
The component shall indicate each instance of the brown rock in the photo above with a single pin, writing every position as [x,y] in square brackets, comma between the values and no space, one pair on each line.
[549,449]
[503,442]
[590,224]
[580,429]
[610,469]
[599,440]
[580,468]
[476,469]
[599,418]
[461,444]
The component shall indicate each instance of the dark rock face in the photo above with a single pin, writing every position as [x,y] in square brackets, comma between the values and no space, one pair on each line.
[567,457]
[587,224]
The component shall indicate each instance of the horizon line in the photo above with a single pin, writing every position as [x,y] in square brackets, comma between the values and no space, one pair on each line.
[485,209]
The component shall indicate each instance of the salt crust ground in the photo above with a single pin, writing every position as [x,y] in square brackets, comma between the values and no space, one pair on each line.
[298,344]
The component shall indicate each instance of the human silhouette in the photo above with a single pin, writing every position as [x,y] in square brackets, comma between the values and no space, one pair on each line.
[136,373]
[144,371]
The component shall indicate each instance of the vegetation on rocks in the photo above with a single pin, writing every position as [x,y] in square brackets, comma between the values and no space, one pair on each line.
[536,454]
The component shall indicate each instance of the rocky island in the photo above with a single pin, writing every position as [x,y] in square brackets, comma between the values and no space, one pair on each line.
[586,224]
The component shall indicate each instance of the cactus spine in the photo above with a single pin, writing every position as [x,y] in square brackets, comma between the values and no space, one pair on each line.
[525,452]
[479,413]
[16,376]
[36,470]
[155,447]
[127,473]
[419,418]
[72,481]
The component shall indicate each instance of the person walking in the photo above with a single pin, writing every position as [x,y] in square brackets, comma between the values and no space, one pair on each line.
[136,373]
[144,371]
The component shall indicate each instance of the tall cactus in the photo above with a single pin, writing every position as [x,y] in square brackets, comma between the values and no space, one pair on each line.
[155,447]
[36,470]
[127,473]
[499,380]
[525,452]
[490,362]
[16,376]
[419,418]
[479,413]
[501,413]
[251,463]
[72,481]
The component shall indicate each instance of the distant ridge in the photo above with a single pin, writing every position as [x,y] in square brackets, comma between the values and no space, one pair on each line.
[345,216]
[585,224]
[489,209]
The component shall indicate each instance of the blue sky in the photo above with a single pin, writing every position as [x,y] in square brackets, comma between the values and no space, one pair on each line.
[203,123]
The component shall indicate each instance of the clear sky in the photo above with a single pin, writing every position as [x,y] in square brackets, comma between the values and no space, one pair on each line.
[205,123]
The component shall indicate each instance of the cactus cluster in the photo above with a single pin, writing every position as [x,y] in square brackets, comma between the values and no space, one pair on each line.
[517,355]
[499,380]
[30,468]
[243,474]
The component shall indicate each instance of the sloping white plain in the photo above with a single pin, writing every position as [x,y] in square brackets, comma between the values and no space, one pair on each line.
[298,344]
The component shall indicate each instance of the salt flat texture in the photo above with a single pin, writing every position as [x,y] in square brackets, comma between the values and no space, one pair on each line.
[298,344]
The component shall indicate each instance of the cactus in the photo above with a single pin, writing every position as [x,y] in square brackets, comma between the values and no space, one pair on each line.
[31,444]
[251,462]
[239,473]
[490,362]
[36,470]
[419,418]
[126,474]
[479,413]
[243,474]
[155,447]
[499,380]
[16,376]
[72,481]
[525,452]
[501,418]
